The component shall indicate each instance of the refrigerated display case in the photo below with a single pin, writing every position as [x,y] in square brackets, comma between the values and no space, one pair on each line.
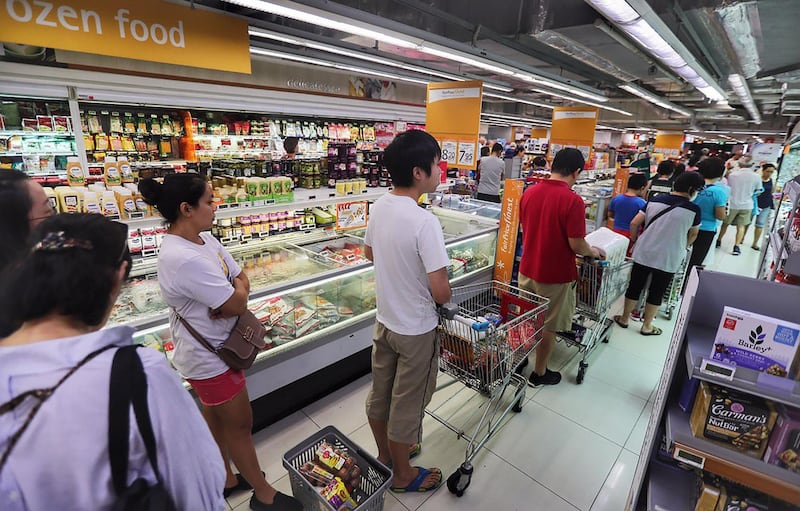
[466,204]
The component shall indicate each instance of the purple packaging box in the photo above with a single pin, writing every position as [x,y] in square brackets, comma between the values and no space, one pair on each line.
[784,444]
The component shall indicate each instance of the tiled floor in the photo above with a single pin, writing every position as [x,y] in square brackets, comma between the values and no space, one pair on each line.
[573,447]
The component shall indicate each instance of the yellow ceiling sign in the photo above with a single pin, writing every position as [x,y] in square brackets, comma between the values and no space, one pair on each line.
[143,29]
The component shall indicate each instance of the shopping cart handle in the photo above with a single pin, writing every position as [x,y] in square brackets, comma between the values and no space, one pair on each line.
[478,326]
[448,310]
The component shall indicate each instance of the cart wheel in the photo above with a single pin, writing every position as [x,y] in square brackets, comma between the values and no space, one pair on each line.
[518,405]
[458,482]
[669,313]
[581,373]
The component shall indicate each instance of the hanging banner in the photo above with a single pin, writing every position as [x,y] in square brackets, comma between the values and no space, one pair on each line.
[766,153]
[453,114]
[669,143]
[573,126]
[150,30]
[509,229]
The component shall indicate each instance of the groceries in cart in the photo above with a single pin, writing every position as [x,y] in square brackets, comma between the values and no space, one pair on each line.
[335,474]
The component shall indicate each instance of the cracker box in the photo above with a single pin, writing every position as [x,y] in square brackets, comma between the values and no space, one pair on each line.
[784,444]
[757,342]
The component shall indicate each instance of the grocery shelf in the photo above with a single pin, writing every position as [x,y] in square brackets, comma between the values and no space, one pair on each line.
[736,466]
[670,488]
[700,340]
[21,133]
[49,153]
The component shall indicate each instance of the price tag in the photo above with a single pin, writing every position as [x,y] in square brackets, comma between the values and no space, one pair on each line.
[718,369]
[689,457]
[466,153]
[449,152]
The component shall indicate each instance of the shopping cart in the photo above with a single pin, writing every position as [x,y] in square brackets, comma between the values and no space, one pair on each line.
[485,334]
[599,285]
[672,296]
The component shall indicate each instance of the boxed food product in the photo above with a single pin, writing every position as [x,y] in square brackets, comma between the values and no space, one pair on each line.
[709,496]
[733,419]
[784,445]
[757,342]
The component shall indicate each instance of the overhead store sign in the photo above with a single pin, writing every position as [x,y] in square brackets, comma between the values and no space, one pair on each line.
[573,126]
[150,30]
[669,143]
[453,117]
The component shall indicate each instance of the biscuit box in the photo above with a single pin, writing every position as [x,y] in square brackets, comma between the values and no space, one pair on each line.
[784,444]
[757,342]
[733,419]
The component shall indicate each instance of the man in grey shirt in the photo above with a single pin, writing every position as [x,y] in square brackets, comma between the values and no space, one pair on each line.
[492,169]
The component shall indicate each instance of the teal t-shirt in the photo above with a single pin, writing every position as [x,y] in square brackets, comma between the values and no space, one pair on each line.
[708,199]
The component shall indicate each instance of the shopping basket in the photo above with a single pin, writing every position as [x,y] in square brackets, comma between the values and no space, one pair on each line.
[485,334]
[374,481]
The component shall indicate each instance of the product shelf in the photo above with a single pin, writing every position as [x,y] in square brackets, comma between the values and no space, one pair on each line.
[670,488]
[700,340]
[9,154]
[736,466]
[13,133]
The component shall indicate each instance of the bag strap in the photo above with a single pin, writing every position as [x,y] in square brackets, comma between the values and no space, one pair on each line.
[664,212]
[42,395]
[195,333]
[128,386]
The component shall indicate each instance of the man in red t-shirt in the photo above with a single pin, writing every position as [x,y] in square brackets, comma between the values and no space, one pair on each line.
[553,220]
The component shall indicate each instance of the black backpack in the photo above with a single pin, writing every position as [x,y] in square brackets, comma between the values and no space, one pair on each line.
[129,387]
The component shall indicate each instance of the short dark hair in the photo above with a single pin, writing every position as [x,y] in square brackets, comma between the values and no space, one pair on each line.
[176,189]
[666,168]
[76,282]
[637,181]
[497,147]
[694,159]
[567,161]
[15,209]
[680,168]
[711,168]
[408,150]
[768,165]
[540,161]
[290,144]
[485,151]
[689,182]
[520,149]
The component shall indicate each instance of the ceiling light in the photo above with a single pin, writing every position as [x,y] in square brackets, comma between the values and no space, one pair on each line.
[582,101]
[739,85]
[616,11]
[518,100]
[656,100]
[509,117]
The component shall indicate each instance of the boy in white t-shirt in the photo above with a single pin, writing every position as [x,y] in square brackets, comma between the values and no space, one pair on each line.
[407,246]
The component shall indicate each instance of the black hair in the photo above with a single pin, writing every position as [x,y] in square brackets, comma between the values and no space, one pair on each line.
[637,181]
[76,282]
[290,144]
[540,162]
[408,150]
[15,209]
[680,168]
[689,182]
[176,189]
[711,168]
[485,151]
[768,165]
[567,161]
[694,159]
[666,168]
[497,147]
[519,150]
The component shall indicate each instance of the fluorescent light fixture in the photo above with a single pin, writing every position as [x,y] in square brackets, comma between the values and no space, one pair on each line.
[486,65]
[739,85]
[616,11]
[656,100]
[289,56]
[514,118]
[612,128]
[518,100]
[582,101]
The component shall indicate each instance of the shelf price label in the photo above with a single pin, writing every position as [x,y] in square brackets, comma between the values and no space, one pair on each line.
[689,457]
[718,369]
[466,153]
[449,152]
[351,215]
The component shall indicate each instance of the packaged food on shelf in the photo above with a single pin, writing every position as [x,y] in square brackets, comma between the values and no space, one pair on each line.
[709,496]
[733,419]
[784,444]
[757,342]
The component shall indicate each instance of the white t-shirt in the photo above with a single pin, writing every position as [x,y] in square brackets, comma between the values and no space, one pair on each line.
[744,184]
[492,170]
[195,279]
[407,244]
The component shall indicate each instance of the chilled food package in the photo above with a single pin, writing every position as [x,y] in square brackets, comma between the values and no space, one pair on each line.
[732,418]
[757,342]
[612,244]
[784,444]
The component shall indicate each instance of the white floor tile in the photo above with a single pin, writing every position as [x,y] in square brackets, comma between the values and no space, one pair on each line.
[636,438]
[442,396]
[344,409]
[283,485]
[626,371]
[557,453]
[598,406]
[614,494]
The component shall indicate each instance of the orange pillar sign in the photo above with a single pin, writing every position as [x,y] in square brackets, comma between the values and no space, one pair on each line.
[453,117]
[669,143]
[509,229]
[573,126]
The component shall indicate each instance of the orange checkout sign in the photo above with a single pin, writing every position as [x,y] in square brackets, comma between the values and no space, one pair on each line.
[453,116]
[573,126]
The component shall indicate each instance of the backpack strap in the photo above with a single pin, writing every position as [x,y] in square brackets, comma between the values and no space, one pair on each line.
[128,386]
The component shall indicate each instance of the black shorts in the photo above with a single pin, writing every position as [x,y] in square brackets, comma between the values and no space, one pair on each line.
[659,282]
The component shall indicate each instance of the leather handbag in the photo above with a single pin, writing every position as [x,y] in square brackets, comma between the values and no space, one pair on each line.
[242,345]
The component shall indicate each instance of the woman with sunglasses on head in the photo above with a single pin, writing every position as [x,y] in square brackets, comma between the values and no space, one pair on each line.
[206,289]
[54,446]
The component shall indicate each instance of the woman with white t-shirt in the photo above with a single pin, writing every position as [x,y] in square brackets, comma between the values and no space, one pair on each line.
[202,282]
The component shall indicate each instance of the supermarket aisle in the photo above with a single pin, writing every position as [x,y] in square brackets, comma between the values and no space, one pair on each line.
[573,447]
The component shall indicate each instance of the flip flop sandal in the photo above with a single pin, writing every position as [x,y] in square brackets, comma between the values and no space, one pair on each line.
[416,485]
[241,485]
[654,331]
[415,451]
[619,323]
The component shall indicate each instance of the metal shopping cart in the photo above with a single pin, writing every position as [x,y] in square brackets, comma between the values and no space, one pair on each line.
[672,296]
[599,285]
[485,335]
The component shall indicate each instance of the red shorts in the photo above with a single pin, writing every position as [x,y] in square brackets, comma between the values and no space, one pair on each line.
[627,234]
[219,389]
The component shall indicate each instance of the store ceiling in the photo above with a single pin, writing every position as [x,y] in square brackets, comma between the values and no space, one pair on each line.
[570,41]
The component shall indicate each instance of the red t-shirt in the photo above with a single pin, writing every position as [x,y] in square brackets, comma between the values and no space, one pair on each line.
[550,214]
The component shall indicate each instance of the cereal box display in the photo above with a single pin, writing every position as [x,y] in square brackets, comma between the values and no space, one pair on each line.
[766,344]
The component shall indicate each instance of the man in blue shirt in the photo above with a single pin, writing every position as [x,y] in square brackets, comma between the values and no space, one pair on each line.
[712,201]
[623,208]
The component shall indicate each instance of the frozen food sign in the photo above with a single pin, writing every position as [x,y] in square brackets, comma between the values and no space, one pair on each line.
[151,30]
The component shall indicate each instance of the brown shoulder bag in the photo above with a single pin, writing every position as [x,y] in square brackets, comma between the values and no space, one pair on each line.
[242,345]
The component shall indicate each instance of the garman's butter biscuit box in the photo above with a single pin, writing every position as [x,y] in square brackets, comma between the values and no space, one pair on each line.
[757,342]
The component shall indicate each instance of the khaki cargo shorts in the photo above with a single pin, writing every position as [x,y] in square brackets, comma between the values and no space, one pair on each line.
[738,217]
[404,370]
[561,308]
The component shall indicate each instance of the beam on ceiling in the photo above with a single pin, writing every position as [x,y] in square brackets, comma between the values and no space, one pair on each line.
[696,39]
[767,73]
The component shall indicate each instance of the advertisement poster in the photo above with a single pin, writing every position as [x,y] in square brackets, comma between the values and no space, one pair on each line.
[351,215]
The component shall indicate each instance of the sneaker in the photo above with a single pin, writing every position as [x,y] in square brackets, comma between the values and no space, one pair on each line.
[522,365]
[719,243]
[549,378]
[737,250]
[282,502]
